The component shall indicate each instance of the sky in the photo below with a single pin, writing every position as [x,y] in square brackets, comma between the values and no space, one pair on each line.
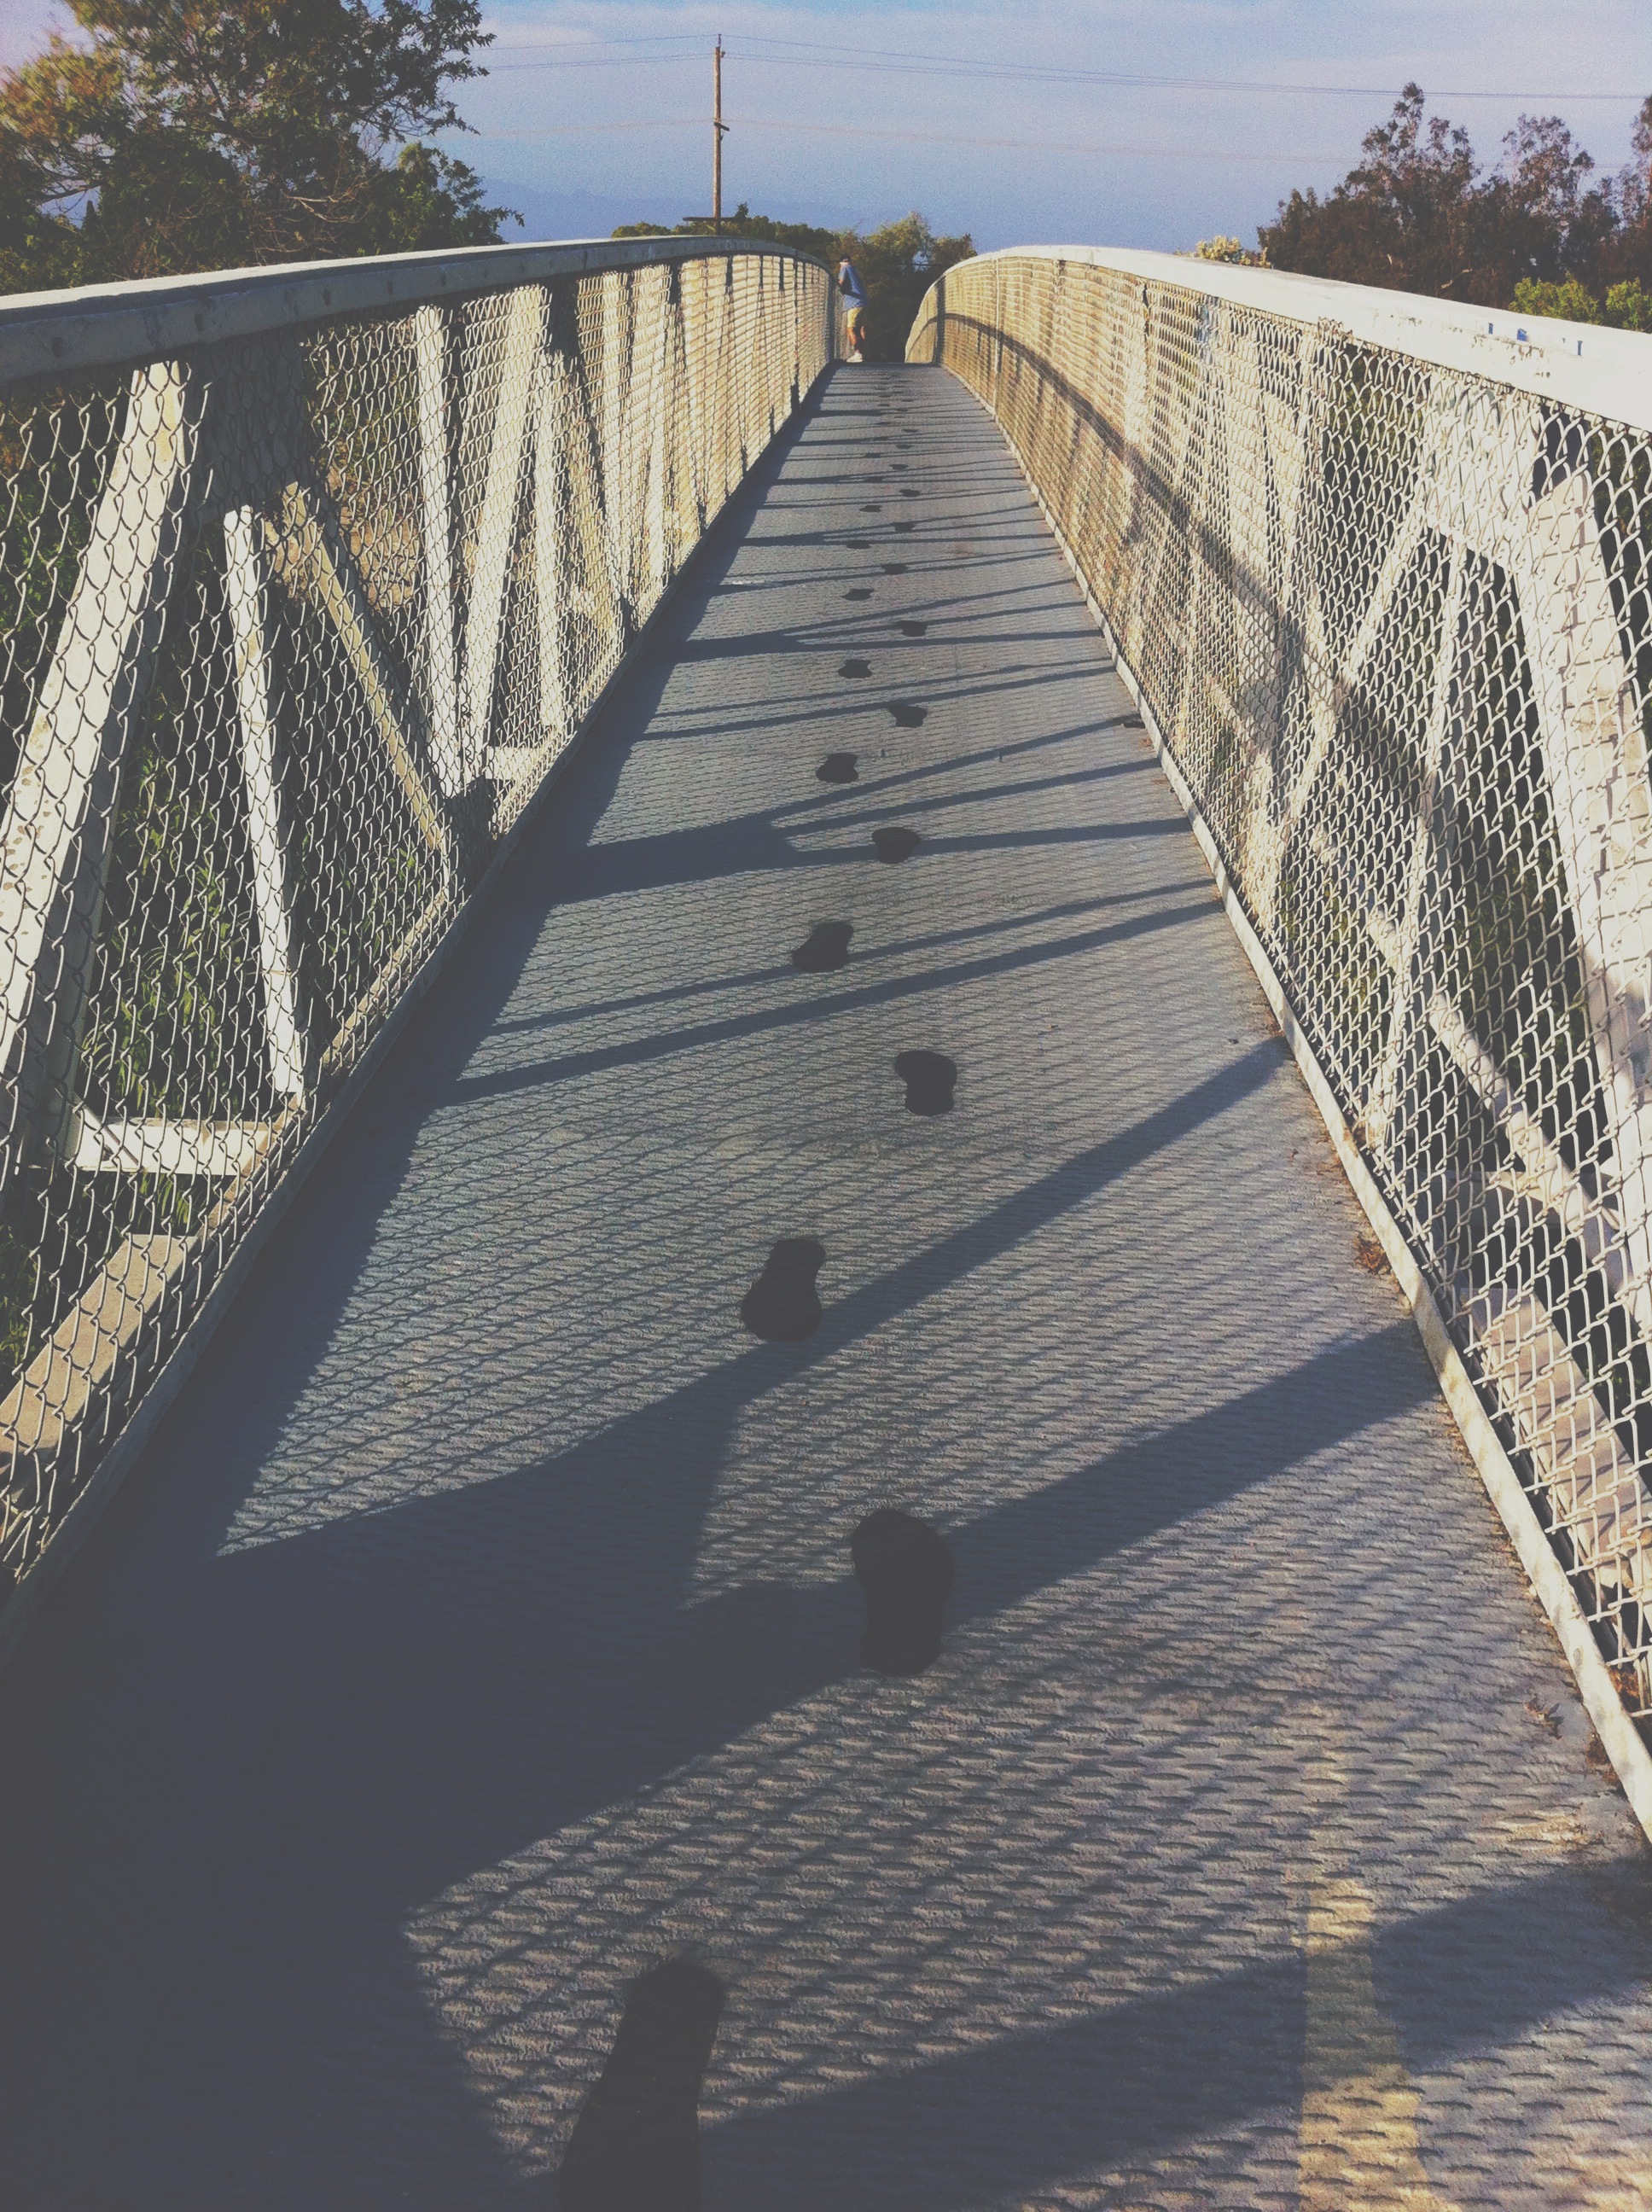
[1142,122]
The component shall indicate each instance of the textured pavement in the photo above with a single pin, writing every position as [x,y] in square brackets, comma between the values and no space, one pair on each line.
[479,1632]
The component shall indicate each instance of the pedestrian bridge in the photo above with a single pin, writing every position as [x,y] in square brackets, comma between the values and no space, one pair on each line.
[827,1268]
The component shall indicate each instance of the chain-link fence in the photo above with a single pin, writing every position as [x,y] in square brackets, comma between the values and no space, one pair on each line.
[309,577]
[1380,571]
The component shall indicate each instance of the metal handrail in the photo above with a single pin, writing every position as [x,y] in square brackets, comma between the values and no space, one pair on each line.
[1587,365]
[93,325]
[314,575]
[1379,570]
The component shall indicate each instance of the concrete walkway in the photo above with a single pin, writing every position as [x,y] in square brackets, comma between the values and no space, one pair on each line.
[480,1632]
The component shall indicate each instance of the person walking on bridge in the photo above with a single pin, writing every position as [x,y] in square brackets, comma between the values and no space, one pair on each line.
[855,306]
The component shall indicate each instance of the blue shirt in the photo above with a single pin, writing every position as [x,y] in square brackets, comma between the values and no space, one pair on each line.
[848,283]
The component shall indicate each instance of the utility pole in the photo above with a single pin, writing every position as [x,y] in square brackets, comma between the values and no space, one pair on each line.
[717,128]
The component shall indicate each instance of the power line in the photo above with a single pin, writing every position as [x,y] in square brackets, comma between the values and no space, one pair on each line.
[895,61]
[878,58]
[549,48]
[1042,145]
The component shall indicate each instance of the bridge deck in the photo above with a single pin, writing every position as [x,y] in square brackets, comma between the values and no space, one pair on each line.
[481,1633]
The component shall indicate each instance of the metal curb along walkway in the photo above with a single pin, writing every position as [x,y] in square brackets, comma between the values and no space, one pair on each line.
[481,1636]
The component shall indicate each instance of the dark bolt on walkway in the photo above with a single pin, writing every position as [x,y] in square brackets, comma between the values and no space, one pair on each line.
[481,1634]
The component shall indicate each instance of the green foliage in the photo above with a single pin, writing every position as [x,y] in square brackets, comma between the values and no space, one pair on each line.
[1569,300]
[427,199]
[181,134]
[801,237]
[39,250]
[897,264]
[1626,306]
[167,205]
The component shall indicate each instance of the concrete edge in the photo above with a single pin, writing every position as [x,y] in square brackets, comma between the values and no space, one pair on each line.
[1619,1737]
[19,1612]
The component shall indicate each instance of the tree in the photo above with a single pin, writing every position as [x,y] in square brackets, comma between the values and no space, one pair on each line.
[1398,218]
[897,264]
[801,237]
[181,134]
[1419,212]
[1548,223]
[1626,257]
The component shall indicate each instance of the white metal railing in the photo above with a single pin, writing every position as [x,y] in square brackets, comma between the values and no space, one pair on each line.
[1380,570]
[309,576]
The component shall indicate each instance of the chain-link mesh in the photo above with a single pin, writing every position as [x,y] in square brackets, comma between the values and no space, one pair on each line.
[1393,621]
[293,627]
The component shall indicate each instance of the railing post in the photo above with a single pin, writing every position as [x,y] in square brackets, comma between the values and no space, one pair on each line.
[1594,753]
[59,824]
[308,547]
[550,559]
[524,341]
[249,617]
[436,489]
[692,281]
[652,429]
[616,321]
